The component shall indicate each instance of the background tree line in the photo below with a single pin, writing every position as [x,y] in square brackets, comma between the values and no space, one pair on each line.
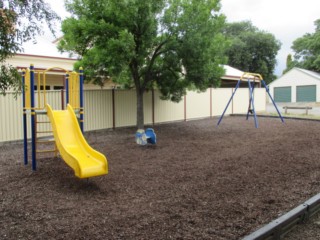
[171,45]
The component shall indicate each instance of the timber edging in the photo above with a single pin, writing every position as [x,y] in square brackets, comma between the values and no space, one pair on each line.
[281,226]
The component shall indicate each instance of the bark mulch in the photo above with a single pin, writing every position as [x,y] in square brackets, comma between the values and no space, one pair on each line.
[198,182]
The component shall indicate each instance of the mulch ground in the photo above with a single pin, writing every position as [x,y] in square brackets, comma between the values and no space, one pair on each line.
[198,182]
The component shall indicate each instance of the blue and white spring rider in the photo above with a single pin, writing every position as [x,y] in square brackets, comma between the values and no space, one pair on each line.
[143,137]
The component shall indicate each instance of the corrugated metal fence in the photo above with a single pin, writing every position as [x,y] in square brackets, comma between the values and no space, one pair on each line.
[117,108]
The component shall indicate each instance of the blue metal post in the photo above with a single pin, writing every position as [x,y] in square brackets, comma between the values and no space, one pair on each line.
[81,98]
[67,89]
[274,104]
[25,136]
[33,119]
[252,103]
[237,86]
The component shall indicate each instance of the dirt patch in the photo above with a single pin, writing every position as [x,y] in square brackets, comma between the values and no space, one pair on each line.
[199,182]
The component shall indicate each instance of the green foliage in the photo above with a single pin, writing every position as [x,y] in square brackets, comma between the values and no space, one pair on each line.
[307,50]
[289,64]
[9,79]
[251,50]
[167,44]
[19,22]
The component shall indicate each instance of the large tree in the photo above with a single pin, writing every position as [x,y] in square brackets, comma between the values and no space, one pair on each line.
[307,50]
[165,44]
[20,21]
[251,49]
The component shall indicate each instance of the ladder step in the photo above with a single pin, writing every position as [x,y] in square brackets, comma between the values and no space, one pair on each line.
[46,151]
[44,131]
[46,140]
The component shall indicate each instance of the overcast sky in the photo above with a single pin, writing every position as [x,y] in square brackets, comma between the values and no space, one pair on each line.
[287,20]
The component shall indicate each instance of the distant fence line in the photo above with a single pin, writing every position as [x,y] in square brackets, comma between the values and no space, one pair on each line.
[108,108]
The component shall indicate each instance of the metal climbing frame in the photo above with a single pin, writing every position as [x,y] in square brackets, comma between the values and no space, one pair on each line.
[251,78]
[36,106]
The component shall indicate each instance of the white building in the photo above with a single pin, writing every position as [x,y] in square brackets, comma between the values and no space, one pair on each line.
[297,85]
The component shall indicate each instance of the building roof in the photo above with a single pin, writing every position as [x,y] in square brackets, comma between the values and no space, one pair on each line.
[311,73]
[231,71]
[43,47]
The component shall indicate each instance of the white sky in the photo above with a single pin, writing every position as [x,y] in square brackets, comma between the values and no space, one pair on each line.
[287,20]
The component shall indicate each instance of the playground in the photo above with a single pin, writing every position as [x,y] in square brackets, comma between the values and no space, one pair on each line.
[199,181]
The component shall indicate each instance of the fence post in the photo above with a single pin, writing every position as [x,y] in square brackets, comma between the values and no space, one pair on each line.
[185,107]
[113,109]
[211,102]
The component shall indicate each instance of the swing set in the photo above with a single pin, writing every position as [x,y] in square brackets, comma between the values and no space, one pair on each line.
[251,78]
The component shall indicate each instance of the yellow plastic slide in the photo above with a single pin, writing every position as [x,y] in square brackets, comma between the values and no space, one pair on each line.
[74,149]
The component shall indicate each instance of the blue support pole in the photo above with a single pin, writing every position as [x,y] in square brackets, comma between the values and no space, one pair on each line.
[274,104]
[33,119]
[67,89]
[25,136]
[81,98]
[252,103]
[237,86]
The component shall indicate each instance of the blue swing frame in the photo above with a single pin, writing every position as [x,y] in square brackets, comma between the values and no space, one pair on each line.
[251,99]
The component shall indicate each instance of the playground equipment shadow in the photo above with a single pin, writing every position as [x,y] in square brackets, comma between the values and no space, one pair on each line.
[199,182]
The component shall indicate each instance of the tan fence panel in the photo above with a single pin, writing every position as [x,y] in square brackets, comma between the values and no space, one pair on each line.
[97,109]
[260,99]
[241,101]
[125,108]
[198,104]
[167,111]
[220,98]
[147,107]
[11,115]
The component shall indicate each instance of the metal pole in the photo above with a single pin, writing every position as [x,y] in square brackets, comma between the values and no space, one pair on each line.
[25,136]
[252,103]
[81,98]
[274,104]
[33,117]
[237,86]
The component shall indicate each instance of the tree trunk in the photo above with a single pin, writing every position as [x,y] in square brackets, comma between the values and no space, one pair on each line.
[140,113]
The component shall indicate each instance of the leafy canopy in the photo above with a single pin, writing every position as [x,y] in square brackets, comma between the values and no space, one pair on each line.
[251,49]
[20,21]
[167,44]
[307,50]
